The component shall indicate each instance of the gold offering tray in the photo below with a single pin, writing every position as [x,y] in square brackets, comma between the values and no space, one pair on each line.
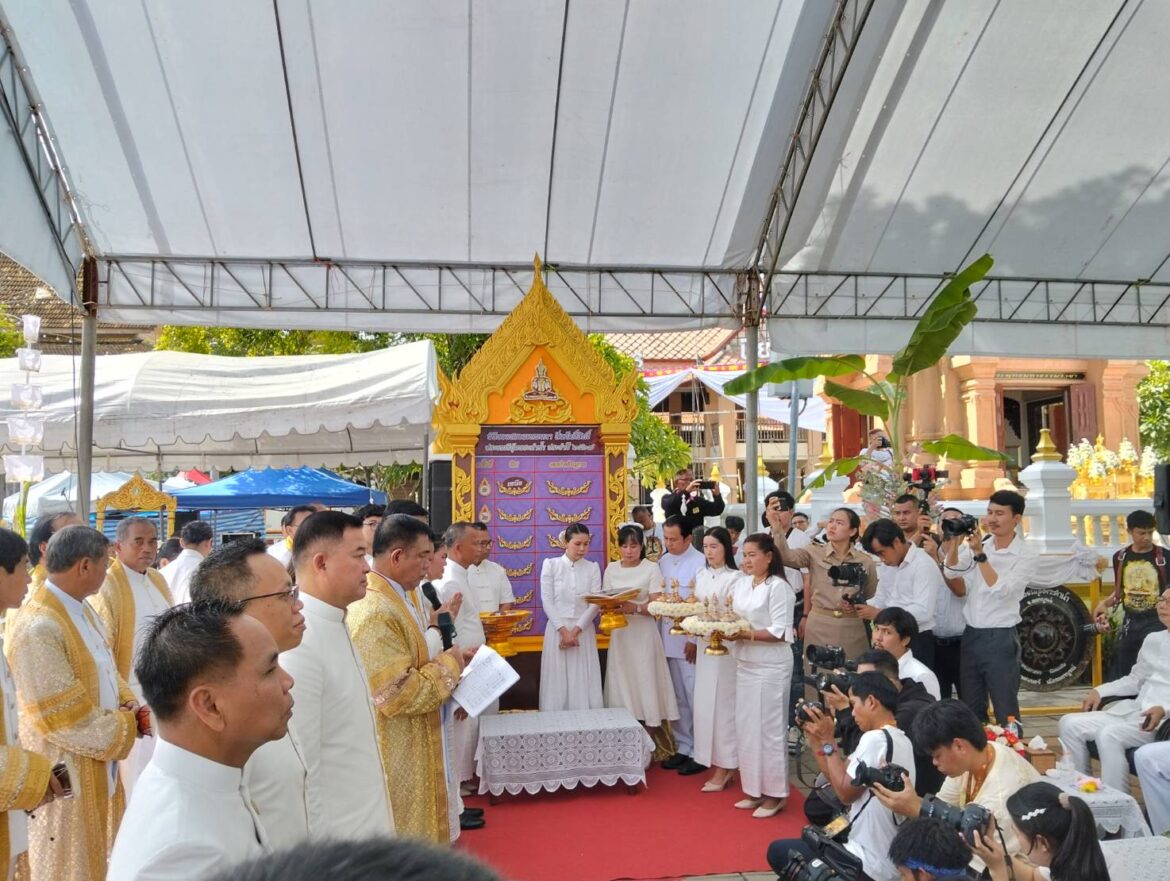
[714,631]
[677,610]
[498,628]
[612,616]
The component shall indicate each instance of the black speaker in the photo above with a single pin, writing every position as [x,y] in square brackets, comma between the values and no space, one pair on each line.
[1162,498]
[438,499]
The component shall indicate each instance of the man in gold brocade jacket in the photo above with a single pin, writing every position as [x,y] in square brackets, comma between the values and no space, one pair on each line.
[389,629]
[75,708]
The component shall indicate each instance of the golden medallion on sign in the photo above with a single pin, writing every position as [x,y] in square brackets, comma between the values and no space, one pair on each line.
[485,487]
[485,514]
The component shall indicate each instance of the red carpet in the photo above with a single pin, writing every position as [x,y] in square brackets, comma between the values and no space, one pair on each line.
[667,830]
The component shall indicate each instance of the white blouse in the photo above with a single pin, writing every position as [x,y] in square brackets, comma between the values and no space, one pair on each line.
[563,588]
[646,578]
[718,583]
[765,606]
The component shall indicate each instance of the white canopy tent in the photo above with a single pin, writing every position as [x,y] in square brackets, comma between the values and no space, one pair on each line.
[57,493]
[162,410]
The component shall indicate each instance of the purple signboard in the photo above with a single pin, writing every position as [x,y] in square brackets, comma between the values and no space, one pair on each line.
[531,483]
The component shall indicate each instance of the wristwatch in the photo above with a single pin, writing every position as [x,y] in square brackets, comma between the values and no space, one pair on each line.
[827,749]
[980,558]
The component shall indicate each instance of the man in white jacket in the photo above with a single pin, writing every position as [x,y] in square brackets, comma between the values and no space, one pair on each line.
[217,691]
[1129,722]
[335,724]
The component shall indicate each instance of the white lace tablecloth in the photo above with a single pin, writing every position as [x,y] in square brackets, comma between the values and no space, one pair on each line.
[1113,810]
[528,752]
[1138,859]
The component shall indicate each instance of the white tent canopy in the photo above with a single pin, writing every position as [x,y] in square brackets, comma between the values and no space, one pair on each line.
[812,414]
[162,410]
[57,493]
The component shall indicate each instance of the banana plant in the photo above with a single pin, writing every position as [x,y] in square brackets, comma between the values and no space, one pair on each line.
[951,310]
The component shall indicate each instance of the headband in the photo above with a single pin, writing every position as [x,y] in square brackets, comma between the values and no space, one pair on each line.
[936,871]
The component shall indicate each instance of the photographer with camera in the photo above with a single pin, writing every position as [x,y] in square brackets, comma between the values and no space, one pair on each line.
[693,500]
[925,849]
[880,449]
[980,775]
[994,576]
[908,579]
[949,622]
[884,754]
[837,571]
[821,805]
[1059,831]
[893,631]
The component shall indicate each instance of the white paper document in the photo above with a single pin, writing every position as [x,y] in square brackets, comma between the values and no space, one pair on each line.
[485,678]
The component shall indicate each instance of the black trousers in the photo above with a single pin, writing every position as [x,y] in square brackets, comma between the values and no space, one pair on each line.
[923,647]
[991,667]
[778,858]
[796,692]
[947,651]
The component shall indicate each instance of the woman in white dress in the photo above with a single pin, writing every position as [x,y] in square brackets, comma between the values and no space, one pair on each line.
[570,672]
[763,676]
[636,675]
[715,674]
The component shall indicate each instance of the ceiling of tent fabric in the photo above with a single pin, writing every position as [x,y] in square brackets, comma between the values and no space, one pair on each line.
[603,134]
[1036,132]
[166,410]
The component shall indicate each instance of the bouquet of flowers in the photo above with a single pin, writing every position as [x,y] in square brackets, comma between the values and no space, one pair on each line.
[1148,461]
[1004,736]
[1080,455]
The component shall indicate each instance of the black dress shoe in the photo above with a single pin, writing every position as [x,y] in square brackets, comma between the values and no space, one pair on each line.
[472,812]
[466,821]
[675,761]
[691,767]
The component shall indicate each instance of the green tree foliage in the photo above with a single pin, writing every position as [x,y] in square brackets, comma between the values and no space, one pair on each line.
[658,449]
[11,335]
[1153,394]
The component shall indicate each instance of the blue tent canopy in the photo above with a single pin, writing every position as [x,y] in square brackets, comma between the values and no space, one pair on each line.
[278,488]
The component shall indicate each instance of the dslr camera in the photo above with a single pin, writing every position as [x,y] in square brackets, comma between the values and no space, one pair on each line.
[965,820]
[802,707]
[825,655]
[832,861]
[958,527]
[827,679]
[889,776]
[848,575]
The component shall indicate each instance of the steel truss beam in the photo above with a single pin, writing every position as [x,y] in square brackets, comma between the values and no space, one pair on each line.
[21,111]
[828,73]
[367,289]
[873,295]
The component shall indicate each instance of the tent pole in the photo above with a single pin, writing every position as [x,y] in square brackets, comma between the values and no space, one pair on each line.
[424,484]
[793,442]
[751,433]
[88,366]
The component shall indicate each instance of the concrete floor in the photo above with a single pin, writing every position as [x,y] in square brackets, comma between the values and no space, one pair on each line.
[1044,725]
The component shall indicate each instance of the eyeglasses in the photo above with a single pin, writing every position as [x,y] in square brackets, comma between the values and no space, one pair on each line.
[290,595]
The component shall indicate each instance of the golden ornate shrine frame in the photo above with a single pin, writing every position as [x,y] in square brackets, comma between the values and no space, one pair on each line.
[473,398]
[137,495]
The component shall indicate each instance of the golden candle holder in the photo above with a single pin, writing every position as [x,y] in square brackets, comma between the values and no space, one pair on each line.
[612,616]
[498,628]
[715,646]
[713,631]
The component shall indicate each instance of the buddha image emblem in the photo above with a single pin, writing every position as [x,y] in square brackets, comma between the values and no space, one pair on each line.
[542,387]
[485,487]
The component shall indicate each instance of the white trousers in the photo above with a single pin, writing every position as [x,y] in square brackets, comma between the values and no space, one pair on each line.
[1153,768]
[1114,731]
[682,677]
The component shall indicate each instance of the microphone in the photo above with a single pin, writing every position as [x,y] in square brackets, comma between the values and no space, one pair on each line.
[431,594]
[446,629]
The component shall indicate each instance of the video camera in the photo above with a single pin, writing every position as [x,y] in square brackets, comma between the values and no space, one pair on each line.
[965,820]
[833,862]
[848,575]
[925,478]
[958,527]
[889,776]
[825,655]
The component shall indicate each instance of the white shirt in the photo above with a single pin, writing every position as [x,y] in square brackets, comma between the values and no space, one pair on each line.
[766,606]
[281,551]
[1149,679]
[148,602]
[489,581]
[909,667]
[948,614]
[683,568]
[911,585]
[999,605]
[88,624]
[873,825]
[333,721]
[277,778]
[17,820]
[468,628]
[564,585]
[178,574]
[796,538]
[188,818]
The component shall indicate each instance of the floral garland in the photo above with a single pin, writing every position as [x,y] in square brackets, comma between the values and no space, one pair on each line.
[1004,737]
